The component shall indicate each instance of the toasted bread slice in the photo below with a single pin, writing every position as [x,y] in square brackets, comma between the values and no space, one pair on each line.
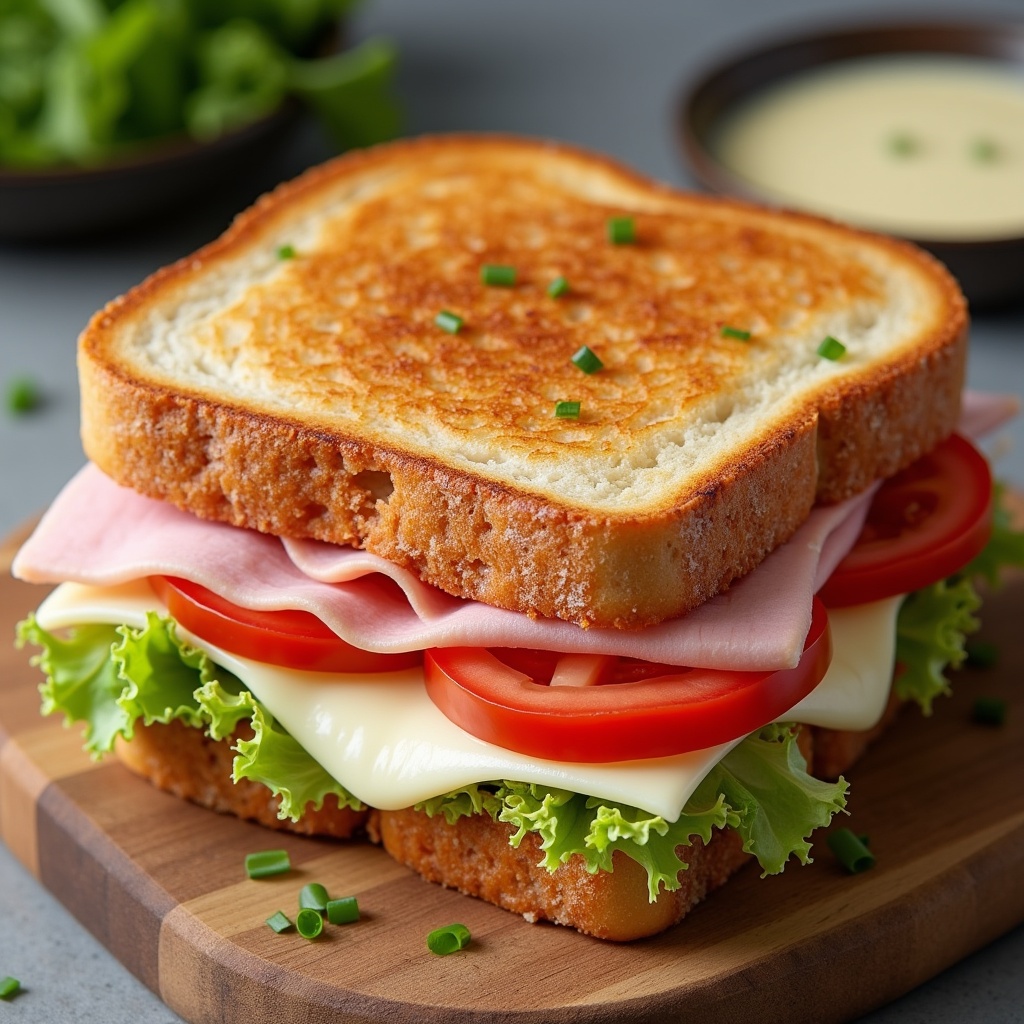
[185,761]
[473,855]
[315,396]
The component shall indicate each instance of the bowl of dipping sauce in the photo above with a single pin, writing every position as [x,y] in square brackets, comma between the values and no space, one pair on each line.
[911,129]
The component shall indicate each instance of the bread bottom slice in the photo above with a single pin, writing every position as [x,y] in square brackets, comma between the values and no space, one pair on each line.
[184,761]
[473,855]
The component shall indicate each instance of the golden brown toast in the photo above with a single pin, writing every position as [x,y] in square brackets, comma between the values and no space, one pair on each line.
[315,396]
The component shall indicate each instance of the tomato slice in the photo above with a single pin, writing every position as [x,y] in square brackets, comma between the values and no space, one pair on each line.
[294,639]
[924,524]
[657,711]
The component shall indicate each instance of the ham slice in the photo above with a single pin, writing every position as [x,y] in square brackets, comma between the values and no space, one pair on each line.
[101,534]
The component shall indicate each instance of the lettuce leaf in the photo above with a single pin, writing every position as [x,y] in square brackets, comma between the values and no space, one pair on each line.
[931,631]
[274,757]
[764,781]
[761,788]
[82,680]
[110,677]
[1005,547]
[160,673]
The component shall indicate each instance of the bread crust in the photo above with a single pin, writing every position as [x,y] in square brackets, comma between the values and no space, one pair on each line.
[476,536]
[473,855]
[183,760]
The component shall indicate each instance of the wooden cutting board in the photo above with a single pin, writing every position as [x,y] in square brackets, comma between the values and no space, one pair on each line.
[161,884]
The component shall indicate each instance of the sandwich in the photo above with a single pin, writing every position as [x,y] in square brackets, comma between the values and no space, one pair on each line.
[474,493]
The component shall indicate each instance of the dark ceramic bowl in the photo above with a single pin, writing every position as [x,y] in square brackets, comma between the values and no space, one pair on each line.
[990,271]
[70,201]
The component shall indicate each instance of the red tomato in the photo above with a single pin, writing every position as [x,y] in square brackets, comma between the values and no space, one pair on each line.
[294,639]
[924,524]
[486,692]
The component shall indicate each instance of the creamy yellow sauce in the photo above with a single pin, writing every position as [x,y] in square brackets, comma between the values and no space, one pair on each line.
[929,147]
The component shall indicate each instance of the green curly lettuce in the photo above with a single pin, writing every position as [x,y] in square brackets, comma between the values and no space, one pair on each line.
[110,677]
[764,781]
[931,632]
[934,622]
[1005,548]
[273,756]
[761,788]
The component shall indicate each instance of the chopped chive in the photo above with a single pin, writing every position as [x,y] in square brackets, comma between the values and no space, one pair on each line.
[558,287]
[286,252]
[621,230]
[831,348]
[9,987]
[567,410]
[587,361]
[448,322]
[989,711]
[735,332]
[279,922]
[902,144]
[497,275]
[266,863]
[22,395]
[851,852]
[443,941]
[984,151]
[981,654]
[313,897]
[343,911]
[309,922]
[866,840]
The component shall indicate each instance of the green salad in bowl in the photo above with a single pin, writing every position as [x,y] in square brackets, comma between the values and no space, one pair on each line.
[91,90]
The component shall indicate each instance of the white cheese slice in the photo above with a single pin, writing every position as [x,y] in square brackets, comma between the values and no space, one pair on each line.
[383,738]
[855,689]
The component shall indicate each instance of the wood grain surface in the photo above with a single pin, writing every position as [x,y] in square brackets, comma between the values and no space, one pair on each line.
[161,884]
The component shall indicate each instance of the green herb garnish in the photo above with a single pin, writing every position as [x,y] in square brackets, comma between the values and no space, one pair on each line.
[984,151]
[497,275]
[9,987]
[309,922]
[23,395]
[621,230]
[989,711]
[851,851]
[735,332]
[558,287]
[902,144]
[981,654]
[286,252]
[449,939]
[343,911]
[449,322]
[266,863]
[587,361]
[314,897]
[279,922]
[567,410]
[831,348]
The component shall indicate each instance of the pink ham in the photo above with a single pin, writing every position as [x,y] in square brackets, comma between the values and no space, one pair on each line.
[99,533]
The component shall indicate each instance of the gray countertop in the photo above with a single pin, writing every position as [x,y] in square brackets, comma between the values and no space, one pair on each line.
[600,73]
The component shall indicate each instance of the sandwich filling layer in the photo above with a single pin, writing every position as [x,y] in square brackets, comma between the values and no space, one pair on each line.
[382,738]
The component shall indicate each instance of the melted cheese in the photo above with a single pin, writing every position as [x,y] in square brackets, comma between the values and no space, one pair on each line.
[382,737]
